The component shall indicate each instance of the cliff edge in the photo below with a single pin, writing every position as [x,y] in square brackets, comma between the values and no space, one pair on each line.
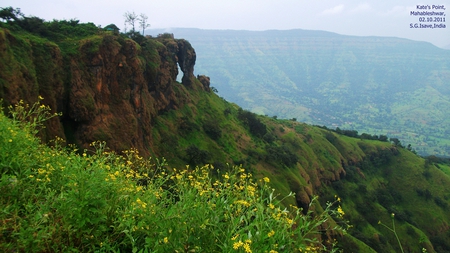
[107,87]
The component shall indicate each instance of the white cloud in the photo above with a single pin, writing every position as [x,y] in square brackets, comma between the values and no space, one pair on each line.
[334,10]
[361,8]
[399,10]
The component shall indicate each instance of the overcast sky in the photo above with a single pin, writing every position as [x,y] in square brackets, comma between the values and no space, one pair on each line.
[351,17]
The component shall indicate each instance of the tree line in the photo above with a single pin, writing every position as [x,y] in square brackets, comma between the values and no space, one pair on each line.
[365,136]
[14,19]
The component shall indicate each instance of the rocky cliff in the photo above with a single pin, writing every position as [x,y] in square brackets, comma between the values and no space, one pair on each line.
[113,89]
[108,87]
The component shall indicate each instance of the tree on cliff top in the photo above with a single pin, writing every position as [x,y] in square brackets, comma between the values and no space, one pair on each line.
[143,22]
[131,18]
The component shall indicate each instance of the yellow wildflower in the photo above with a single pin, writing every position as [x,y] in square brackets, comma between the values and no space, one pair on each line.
[140,202]
[242,202]
[247,246]
[237,245]
[289,221]
[251,190]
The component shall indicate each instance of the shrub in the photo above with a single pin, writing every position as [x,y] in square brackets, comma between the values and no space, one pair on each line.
[256,127]
[269,137]
[427,174]
[187,125]
[56,199]
[384,197]
[281,155]
[196,156]
[424,193]
[440,202]
[227,111]
[212,129]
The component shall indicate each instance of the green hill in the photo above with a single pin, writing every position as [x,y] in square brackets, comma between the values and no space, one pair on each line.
[377,85]
[112,88]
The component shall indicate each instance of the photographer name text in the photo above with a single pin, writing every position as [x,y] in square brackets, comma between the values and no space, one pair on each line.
[428,16]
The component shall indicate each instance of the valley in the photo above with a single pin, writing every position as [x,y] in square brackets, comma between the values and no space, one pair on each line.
[375,85]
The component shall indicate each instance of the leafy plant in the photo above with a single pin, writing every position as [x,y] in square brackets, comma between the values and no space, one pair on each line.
[59,199]
[31,117]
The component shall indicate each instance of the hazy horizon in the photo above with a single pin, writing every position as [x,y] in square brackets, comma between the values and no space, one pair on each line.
[351,17]
[150,31]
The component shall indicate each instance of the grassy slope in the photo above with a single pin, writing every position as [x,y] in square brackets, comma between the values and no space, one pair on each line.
[57,200]
[371,189]
[394,188]
[386,186]
[377,85]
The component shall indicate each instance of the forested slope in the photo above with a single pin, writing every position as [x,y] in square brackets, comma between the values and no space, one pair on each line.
[377,85]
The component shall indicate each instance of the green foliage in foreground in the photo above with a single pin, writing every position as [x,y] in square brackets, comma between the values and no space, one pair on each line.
[55,199]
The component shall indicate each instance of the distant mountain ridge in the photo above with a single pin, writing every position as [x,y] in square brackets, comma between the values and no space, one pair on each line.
[379,85]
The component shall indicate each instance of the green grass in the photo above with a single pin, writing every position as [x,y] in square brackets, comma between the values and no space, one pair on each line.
[445,169]
[58,199]
[399,181]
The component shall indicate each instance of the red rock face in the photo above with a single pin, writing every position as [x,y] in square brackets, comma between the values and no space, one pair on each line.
[119,89]
[111,90]
[186,60]
[29,69]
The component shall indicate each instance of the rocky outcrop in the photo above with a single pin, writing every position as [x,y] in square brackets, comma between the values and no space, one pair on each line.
[111,89]
[186,60]
[182,53]
[124,86]
[205,81]
[29,68]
